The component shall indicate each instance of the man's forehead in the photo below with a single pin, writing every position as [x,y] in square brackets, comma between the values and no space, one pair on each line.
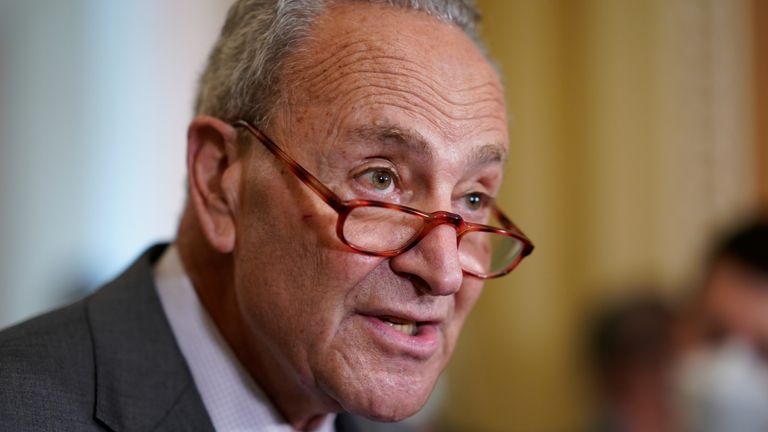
[425,78]
[391,39]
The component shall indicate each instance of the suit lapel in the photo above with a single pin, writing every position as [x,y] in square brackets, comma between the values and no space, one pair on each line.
[142,380]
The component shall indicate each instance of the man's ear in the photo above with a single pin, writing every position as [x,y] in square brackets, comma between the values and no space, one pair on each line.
[214,170]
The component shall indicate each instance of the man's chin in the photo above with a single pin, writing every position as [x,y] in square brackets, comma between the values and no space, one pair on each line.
[372,379]
[394,400]
[387,411]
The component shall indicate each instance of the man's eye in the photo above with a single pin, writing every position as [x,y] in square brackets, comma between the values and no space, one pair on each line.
[475,201]
[379,179]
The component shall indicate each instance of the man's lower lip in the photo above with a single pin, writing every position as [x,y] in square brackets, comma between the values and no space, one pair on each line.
[422,345]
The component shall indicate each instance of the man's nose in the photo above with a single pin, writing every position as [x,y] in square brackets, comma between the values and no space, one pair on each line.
[434,260]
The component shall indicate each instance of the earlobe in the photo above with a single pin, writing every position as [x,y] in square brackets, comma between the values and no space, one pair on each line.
[213,168]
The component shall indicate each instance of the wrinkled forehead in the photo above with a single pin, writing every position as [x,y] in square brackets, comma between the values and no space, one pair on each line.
[378,63]
[413,34]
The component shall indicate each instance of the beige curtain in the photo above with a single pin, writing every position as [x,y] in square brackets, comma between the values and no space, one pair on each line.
[760,68]
[632,138]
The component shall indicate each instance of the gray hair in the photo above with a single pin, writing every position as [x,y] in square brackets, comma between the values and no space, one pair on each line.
[242,76]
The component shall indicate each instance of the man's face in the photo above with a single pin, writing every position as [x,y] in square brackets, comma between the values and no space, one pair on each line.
[381,104]
[737,297]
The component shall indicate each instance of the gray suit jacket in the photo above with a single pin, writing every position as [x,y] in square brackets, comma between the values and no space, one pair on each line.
[107,362]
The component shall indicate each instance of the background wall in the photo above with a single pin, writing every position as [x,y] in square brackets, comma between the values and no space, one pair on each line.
[760,69]
[638,128]
[95,97]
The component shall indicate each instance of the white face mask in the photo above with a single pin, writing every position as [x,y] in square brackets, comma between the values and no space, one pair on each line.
[724,389]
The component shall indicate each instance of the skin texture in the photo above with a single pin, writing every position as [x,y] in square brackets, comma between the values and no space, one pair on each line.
[375,87]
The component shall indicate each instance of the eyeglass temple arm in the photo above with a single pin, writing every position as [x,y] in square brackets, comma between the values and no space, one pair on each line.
[511,226]
[503,218]
[305,176]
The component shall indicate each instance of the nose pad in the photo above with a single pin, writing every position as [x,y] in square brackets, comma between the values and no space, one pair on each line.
[434,260]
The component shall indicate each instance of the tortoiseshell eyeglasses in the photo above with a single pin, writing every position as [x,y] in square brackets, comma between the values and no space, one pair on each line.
[385,229]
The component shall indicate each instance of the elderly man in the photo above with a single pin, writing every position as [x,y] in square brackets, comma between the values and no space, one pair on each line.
[303,281]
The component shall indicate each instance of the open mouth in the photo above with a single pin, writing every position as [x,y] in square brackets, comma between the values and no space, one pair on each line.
[404,334]
[409,328]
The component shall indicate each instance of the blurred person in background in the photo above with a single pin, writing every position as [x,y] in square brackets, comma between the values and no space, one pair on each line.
[631,348]
[723,372]
[288,297]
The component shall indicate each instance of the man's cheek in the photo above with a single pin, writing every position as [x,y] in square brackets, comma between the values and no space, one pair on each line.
[350,272]
[465,299]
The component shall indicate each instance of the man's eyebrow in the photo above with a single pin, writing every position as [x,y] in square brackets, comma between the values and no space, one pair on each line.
[412,139]
[404,137]
[489,153]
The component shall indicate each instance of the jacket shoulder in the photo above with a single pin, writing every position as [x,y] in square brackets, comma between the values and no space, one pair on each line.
[47,372]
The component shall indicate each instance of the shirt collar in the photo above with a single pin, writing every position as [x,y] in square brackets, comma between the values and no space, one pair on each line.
[233,400]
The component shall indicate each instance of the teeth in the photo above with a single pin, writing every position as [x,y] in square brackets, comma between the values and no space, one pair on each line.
[407,329]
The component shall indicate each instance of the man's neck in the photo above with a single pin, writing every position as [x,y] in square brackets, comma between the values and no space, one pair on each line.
[211,276]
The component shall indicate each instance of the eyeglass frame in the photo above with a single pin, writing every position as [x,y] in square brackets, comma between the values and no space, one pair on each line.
[430,220]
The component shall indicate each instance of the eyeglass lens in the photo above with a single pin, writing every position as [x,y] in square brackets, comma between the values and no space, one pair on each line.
[381,229]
